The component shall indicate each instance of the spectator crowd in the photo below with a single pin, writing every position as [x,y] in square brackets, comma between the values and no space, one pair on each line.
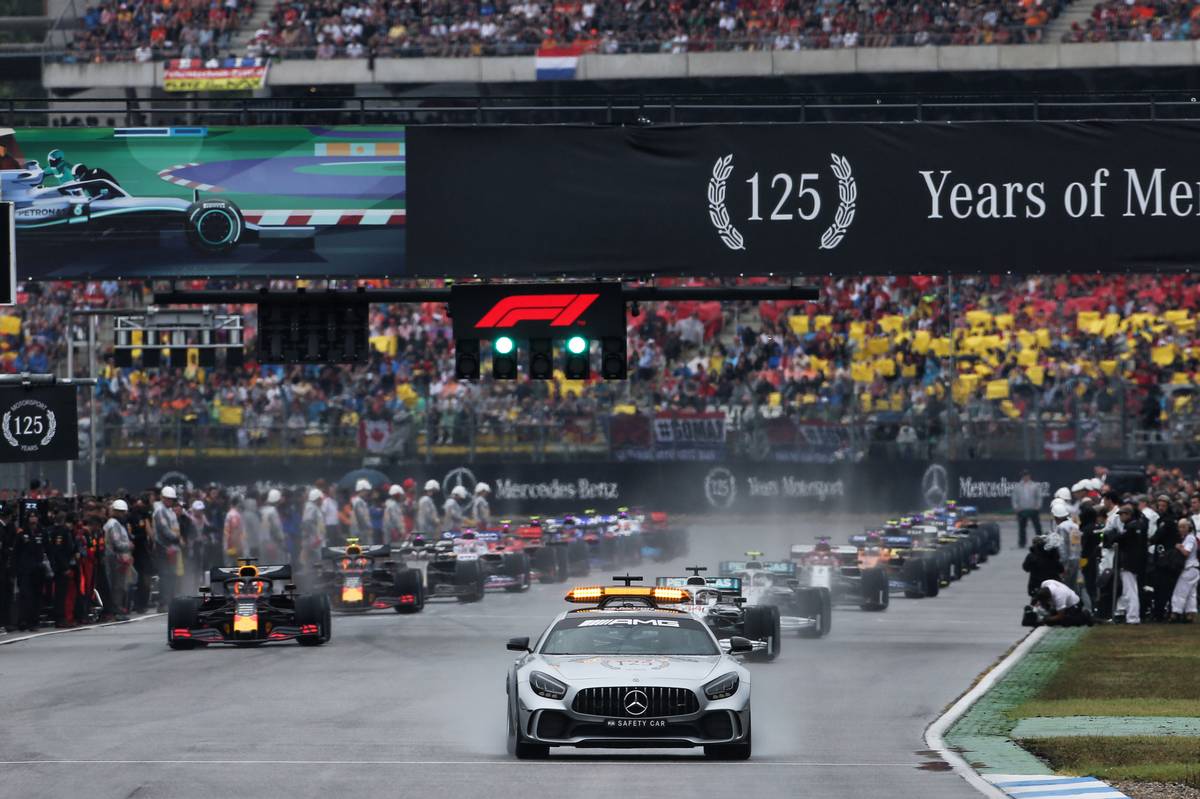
[1137,21]
[141,30]
[905,355]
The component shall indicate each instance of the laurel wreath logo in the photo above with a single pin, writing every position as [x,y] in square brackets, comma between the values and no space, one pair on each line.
[51,425]
[717,211]
[847,195]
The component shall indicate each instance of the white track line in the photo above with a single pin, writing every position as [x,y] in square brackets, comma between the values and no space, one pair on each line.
[933,735]
[570,760]
[79,629]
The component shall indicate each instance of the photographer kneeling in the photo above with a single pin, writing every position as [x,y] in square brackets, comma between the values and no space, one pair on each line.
[1056,605]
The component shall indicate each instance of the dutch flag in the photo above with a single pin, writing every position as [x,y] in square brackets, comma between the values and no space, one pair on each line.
[557,63]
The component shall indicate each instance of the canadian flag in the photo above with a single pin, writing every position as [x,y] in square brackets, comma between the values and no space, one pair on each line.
[1059,443]
[373,434]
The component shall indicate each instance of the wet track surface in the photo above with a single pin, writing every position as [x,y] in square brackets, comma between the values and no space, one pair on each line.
[414,706]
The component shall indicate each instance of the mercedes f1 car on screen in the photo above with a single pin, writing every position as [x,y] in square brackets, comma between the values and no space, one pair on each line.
[630,670]
[249,604]
[807,610]
[357,578]
[91,204]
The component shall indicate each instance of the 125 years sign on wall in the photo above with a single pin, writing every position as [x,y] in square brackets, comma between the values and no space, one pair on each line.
[39,423]
[813,198]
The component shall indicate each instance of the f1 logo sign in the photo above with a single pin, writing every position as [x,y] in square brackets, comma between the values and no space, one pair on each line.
[560,310]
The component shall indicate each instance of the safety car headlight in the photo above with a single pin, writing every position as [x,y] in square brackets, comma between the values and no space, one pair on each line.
[722,687]
[547,686]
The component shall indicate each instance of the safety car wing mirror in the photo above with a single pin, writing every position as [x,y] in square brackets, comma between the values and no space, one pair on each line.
[518,644]
[740,646]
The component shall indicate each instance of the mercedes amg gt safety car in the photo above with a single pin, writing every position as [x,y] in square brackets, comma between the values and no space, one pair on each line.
[854,575]
[359,578]
[630,670]
[807,610]
[249,604]
[455,568]
[718,602]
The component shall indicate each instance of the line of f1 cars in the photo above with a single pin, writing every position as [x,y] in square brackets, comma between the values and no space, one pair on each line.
[915,555]
[252,604]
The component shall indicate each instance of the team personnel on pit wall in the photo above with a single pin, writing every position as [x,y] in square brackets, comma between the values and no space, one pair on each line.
[1068,538]
[427,512]
[452,509]
[273,544]
[168,546]
[118,558]
[360,512]
[1131,545]
[481,510]
[393,515]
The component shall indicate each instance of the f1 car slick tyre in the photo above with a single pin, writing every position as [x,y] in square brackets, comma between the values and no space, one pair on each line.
[214,226]
[469,574]
[182,614]
[993,535]
[817,603]
[761,623]
[550,566]
[516,564]
[874,587]
[408,581]
[314,609]
[738,751]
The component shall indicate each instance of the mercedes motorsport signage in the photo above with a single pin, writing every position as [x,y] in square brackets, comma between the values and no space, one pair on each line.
[38,423]
[815,198]
[549,310]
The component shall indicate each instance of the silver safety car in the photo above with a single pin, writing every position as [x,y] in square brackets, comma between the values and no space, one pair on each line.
[632,669]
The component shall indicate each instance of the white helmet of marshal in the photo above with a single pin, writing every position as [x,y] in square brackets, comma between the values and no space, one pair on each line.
[433,485]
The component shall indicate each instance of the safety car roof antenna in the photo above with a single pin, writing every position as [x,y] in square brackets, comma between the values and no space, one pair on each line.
[627,579]
[695,570]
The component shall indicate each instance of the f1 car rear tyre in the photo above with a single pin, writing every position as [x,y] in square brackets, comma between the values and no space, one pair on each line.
[738,751]
[468,574]
[408,582]
[182,614]
[578,559]
[932,582]
[817,604]
[516,564]
[214,226]
[874,587]
[761,623]
[313,609]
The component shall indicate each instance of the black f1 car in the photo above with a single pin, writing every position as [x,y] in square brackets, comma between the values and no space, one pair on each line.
[249,604]
[357,577]
[718,602]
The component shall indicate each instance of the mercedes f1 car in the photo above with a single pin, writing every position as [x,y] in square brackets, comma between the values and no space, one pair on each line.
[249,604]
[718,602]
[807,610]
[631,670]
[359,578]
[854,575]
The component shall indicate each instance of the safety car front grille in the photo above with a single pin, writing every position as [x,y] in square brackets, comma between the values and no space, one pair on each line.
[659,701]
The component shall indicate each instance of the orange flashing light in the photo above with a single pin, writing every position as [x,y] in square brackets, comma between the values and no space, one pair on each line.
[596,592]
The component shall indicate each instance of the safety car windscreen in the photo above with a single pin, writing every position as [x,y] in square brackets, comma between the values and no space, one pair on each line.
[629,636]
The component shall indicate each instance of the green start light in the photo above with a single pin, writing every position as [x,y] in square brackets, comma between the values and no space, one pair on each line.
[503,345]
[577,345]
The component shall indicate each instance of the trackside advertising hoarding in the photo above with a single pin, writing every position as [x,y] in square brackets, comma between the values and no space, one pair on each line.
[376,201]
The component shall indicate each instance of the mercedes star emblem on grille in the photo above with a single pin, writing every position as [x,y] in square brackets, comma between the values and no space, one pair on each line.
[636,702]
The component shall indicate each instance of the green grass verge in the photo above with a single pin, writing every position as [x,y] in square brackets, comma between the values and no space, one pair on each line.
[1124,670]
[1149,758]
